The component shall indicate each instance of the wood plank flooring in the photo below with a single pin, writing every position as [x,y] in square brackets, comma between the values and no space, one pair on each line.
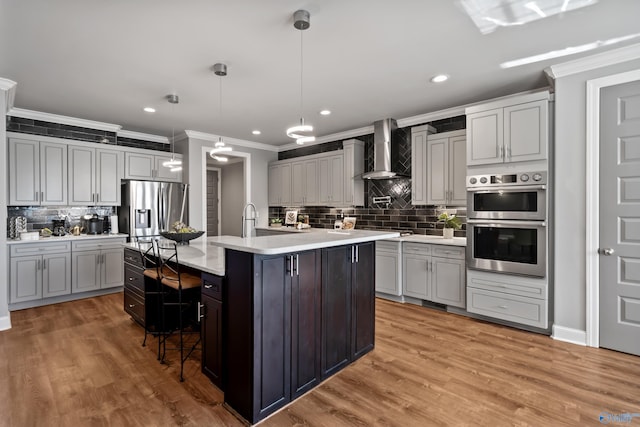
[81,364]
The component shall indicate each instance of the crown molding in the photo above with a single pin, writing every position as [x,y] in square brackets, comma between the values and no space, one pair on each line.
[231,141]
[592,62]
[143,136]
[430,117]
[330,138]
[65,120]
[9,87]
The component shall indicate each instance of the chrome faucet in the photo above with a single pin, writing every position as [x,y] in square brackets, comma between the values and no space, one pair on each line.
[245,219]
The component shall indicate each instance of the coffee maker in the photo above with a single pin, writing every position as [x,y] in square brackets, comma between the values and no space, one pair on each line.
[58,227]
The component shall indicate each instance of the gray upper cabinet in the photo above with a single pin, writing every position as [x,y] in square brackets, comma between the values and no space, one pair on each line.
[304,182]
[331,180]
[446,169]
[279,184]
[94,176]
[147,166]
[418,165]
[509,130]
[37,173]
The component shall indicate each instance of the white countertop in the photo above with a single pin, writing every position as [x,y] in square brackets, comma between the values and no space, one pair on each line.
[436,240]
[198,254]
[68,237]
[303,241]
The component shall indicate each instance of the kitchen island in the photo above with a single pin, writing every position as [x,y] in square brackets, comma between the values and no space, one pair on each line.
[297,309]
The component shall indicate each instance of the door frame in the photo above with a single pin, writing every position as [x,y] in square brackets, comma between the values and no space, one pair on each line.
[593,197]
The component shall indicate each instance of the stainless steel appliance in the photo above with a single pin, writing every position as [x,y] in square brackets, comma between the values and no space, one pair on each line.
[507,223]
[149,207]
[513,196]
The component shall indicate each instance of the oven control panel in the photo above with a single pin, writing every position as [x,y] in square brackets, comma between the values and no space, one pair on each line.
[520,178]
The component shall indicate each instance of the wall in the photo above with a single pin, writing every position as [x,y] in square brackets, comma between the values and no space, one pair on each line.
[232,199]
[570,200]
[5,322]
[258,160]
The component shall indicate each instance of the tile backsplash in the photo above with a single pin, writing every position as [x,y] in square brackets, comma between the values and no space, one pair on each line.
[41,217]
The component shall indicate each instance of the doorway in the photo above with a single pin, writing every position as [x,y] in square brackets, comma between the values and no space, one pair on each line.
[213,201]
[623,307]
[620,217]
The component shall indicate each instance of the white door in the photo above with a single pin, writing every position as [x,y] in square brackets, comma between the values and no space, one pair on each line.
[82,187]
[485,133]
[24,172]
[620,218]
[53,174]
[526,132]
[437,171]
[108,165]
[457,171]
[298,186]
[419,168]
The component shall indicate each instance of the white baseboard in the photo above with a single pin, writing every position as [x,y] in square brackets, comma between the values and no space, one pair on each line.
[570,335]
[5,323]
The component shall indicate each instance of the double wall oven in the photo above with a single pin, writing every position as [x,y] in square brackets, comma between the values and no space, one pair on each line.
[507,223]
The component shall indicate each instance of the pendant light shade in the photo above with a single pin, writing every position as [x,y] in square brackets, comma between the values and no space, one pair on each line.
[174,165]
[303,132]
[220,70]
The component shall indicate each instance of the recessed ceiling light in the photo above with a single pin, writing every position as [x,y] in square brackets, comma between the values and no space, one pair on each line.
[149,109]
[440,78]
[325,112]
[256,132]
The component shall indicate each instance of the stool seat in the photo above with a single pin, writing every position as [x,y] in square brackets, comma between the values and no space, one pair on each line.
[153,273]
[188,281]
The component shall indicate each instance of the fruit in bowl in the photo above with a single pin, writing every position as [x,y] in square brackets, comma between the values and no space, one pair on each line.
[181,227]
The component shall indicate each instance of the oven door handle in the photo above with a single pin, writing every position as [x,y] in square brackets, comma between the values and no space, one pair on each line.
[514,188]
[514,223]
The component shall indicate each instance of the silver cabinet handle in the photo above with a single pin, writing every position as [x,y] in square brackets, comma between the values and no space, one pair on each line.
[208,286]
[291,265]
[131,305]
[509,152]
[200,313]
[606,251]
[42,196]
[297,265]
[357,253]
[38,265]
[44,263]
[35,196]
[504,307]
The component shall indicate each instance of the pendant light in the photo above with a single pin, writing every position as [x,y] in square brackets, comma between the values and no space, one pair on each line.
[174,165]
[302,132]
[221,71]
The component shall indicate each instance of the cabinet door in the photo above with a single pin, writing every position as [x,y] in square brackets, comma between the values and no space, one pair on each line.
[336,177]
[437,171]
[56,275]
[485,143]
[139,166]
[53,173]
[305,322]
[298,187]
[526,131]
[26,278]
[310,177]
[387,273]
[112,268]
[324,171]
[336,309]
[24,172]
[363,294]
[275,185]
[212,339]
[82,186]
[415,274]
[163,173]
[448,281]
[419,168]
[457,171]
[285,194]
[108,167]
[85,271]
[272,339]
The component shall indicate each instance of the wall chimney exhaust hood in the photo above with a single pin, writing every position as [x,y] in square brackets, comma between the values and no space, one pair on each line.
[384,151]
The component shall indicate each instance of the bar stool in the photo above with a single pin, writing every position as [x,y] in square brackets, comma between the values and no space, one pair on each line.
[180,288]
[152,287]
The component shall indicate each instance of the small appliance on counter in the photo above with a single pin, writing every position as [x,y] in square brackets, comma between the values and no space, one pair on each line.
[95,225]
[17,224]
[58,227]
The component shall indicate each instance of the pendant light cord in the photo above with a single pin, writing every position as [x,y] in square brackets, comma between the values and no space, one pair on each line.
[173,132]
[301,76]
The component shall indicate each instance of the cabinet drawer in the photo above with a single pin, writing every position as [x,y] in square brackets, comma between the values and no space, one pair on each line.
[514,308]
[386,246]
[519,286]
[416,248]
[442,251]
[212,285]
[134,278]
[134,305]
[93,245]
[132,257]
[39,248]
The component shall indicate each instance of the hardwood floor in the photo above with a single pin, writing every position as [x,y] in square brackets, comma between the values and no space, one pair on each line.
[81,364]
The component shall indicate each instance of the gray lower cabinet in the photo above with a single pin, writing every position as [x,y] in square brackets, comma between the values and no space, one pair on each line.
[39,271]
[97,264]
[388,267]
[434,273]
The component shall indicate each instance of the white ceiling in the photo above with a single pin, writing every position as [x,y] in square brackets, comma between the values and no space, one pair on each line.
[364,60]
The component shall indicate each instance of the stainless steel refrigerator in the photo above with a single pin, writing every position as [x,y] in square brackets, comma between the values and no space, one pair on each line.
[149,207]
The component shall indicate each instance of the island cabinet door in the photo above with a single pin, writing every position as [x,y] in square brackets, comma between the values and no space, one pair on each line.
[336,308]
[363,298]
[305,321]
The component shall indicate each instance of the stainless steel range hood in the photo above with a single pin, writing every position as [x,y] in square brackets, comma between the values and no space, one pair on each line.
[384,151]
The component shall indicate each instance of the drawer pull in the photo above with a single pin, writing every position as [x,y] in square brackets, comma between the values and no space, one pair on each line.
[131,279]
[208,286]
[131,305]
[504,307]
